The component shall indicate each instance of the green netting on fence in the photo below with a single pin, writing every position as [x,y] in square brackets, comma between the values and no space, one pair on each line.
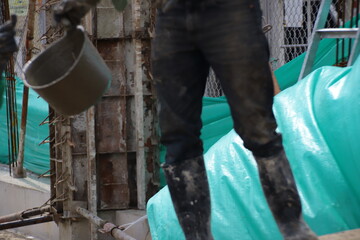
[36,157]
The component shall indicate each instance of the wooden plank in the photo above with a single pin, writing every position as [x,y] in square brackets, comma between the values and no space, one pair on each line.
[346,235]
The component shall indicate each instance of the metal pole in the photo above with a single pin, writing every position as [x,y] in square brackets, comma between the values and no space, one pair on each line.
[106,227]
[22,223]
[19,169]
[355,50]
[24,214]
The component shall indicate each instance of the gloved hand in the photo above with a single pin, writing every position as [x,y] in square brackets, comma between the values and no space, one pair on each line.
[70,12]
[7,42]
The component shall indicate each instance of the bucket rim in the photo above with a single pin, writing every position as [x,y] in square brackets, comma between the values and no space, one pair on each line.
[26,66]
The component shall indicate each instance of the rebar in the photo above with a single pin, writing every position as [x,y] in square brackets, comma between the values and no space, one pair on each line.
[11,109]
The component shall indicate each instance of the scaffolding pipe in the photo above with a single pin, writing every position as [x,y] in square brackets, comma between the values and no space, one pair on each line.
[26,222]
[106,227]
[24,214]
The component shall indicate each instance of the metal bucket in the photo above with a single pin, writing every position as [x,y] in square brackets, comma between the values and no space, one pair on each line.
[70,75]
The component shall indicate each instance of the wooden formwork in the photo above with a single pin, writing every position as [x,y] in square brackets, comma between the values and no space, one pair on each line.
[106,159]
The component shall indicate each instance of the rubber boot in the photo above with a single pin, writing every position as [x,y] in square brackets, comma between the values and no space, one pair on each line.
[282,196]
[189,190]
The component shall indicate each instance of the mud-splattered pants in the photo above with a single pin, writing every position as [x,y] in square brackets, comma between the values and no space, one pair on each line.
[226,35]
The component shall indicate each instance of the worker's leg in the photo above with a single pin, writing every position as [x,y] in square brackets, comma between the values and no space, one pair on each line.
[180,73]
[238,52]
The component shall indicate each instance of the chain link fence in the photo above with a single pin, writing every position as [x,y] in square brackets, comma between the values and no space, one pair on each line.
[291,24]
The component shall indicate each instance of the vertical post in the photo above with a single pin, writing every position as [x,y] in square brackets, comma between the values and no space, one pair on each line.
[19,169]
[67,169]
[91,25]
[139,106]
[91,168]
[70,226]
[355,51]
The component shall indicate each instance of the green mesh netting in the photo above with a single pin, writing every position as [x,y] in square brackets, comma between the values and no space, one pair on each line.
[36,157]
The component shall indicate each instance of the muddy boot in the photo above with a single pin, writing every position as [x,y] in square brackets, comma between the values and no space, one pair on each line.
[189,190]
[282,196]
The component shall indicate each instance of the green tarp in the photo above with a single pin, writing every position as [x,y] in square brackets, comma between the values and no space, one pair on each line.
[36,157]
[319,119]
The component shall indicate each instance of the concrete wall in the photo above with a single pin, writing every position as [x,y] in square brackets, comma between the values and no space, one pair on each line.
[21,194]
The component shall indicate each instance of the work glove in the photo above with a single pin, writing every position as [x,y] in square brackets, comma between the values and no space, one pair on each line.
[7,42]
[70,12]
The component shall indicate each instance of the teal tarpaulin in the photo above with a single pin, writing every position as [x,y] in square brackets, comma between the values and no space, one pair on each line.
[36,157]
[319,119]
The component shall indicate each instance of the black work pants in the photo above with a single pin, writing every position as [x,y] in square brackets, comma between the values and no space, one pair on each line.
[226,35]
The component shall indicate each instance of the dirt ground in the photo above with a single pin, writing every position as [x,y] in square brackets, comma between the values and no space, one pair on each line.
[6,235]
